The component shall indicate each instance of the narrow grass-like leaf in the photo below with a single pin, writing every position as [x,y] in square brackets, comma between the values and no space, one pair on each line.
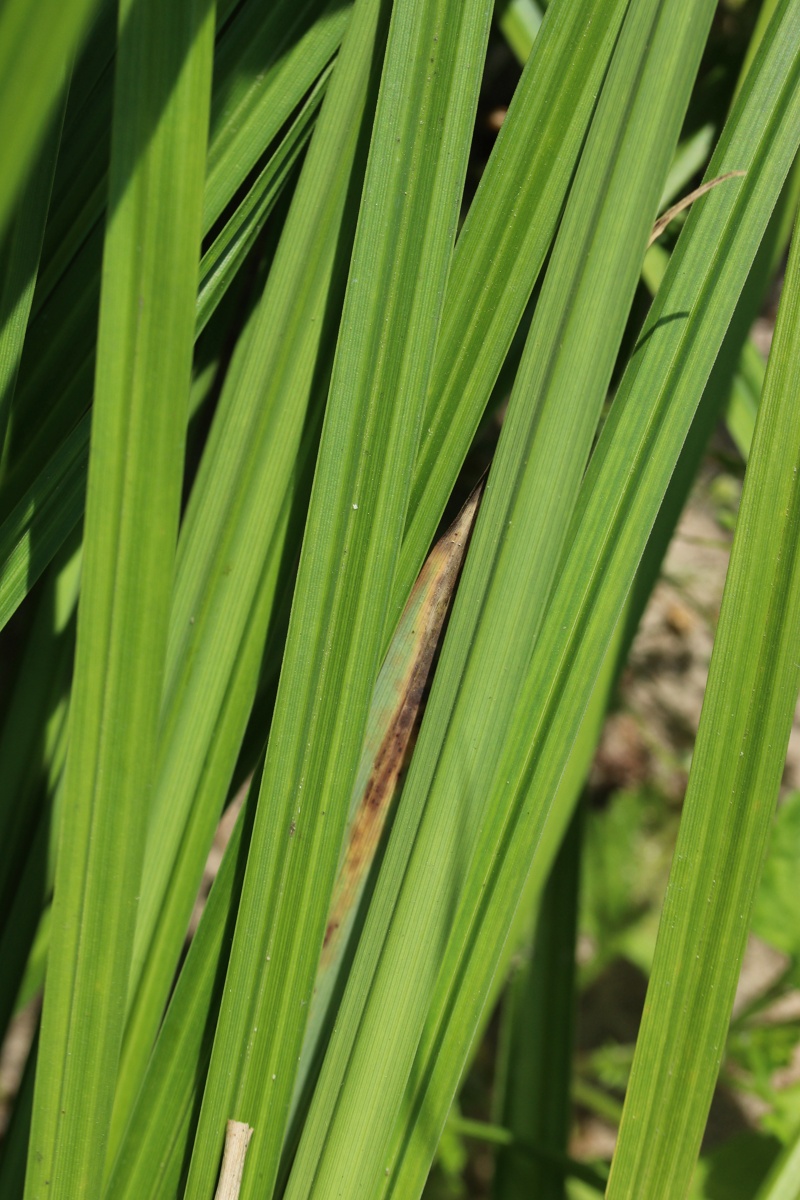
[399,693]
[500,251]
[37,42]
[256,90]
[736,769]
[161,1123]
[520,21]
[25,916]
[392,311]
[21,261]
[231,245]
[43,518]
[240,534]
[80,188]
[152,1154]
[577,768]
[36,966]
[518,539]
[740,416]
[765,15]
[300,39]
[624,486]
[32,750]
[59,351]
[629,465]
[691,158]
[36,529]
[539,1015]
[163,84]
[497,260]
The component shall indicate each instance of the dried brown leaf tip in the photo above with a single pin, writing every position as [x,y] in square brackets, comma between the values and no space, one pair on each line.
[665,218]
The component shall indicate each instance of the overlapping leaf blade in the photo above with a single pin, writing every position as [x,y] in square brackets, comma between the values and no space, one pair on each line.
[240,536]
[389,326]
[150,264]
[630,466]
[513,558]
[736,769]
[498,808]
[500,252]
[58,359]
[161,1120]
[464,373]
[620,498]
[37,42]
[20,263]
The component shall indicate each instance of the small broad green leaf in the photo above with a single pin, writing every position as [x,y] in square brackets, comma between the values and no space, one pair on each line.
[763,1048]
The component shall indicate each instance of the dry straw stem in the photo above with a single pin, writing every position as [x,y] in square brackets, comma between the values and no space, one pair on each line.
[237,1139]
[672,212]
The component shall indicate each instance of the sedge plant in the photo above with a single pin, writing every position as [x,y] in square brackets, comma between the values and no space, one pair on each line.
[337,463]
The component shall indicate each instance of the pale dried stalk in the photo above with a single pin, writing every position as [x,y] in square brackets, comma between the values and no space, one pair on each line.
[664,220]
[237,1139]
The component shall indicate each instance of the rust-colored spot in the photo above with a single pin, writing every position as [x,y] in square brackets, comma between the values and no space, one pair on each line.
[330,930]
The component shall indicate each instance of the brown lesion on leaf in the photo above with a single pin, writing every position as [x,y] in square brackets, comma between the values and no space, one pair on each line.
[330,930]
[430,600]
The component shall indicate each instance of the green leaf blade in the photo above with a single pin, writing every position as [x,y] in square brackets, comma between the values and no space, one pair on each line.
[348,1142]
[736,769]
[151,260]
[37,42]
[242,523]
[500,252]
[627,477]
[392,310]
